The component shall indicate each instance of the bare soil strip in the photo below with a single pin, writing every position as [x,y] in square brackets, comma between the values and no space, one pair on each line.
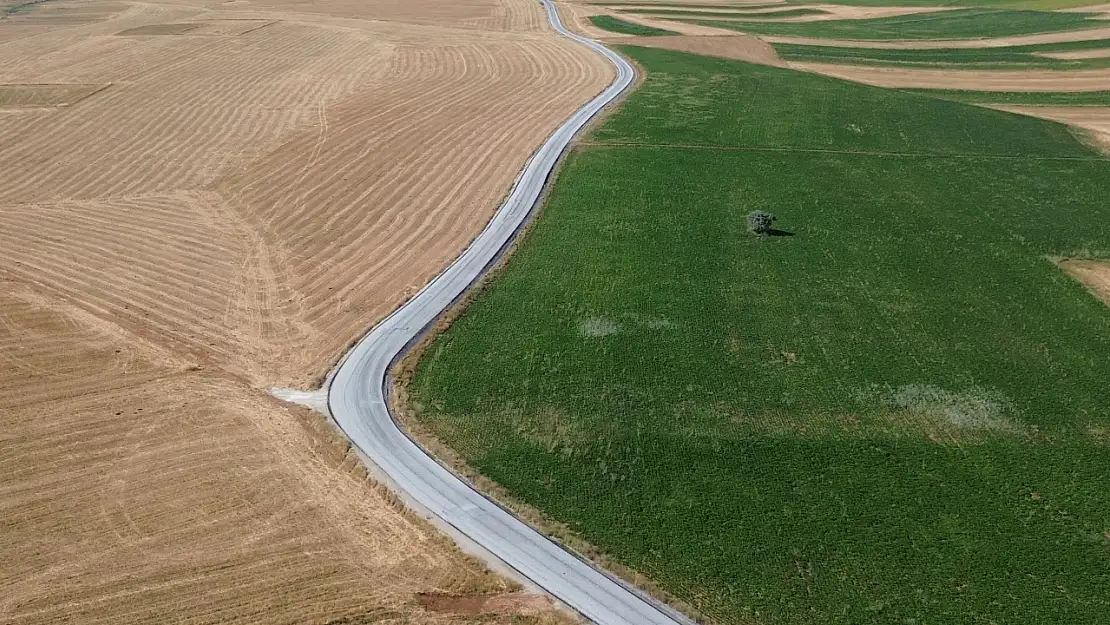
[1043,81]
[998,42]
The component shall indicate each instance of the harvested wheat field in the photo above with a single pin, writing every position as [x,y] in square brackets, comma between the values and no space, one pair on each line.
[200,203]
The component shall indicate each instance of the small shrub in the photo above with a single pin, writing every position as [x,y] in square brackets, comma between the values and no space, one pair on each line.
[760,222]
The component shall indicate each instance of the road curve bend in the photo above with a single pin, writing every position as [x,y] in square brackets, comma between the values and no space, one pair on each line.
[357,397]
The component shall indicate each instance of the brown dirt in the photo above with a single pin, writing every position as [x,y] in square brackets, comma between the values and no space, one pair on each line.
[474,605]
[236,207]
[1079,80]
[742,47]
[1094,274]
[932,44]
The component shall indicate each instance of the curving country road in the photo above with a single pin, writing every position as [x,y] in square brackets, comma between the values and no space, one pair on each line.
[358,392]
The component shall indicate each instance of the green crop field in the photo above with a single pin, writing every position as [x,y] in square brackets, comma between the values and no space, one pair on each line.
[999,4]
[616,25]
[958,24]
[1011,57]
[897,415]
[1079,98]
[785,12]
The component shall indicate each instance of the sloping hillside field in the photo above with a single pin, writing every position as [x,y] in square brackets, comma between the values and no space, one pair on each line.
[893,411]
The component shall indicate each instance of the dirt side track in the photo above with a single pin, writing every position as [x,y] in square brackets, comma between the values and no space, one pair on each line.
[226,198]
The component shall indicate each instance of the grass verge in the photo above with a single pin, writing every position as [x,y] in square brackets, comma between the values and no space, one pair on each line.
[895,414]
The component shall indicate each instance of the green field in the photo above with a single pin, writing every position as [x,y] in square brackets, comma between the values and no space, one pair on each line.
[1011,57]
[1090,98]
[999,4]
[897,415]
[958,24]
[616,25]
[785,12]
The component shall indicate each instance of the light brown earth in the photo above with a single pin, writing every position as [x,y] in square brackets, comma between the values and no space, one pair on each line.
[1094,274]
[831,12]
[237,203]
[741,47]
[932,44]
[976,80]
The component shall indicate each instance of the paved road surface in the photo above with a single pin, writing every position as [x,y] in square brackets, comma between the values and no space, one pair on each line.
[357,399]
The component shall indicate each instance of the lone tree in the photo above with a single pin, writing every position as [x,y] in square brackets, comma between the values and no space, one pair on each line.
[760,222]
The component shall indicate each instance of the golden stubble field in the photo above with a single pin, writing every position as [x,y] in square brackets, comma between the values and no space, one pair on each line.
[199,202]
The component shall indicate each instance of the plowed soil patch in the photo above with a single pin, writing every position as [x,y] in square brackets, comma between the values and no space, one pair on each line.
[1094,274]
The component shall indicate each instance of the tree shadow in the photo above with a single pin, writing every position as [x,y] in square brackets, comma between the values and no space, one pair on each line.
[773,232]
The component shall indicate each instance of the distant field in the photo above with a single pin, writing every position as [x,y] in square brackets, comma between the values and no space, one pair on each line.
[617,25]
[959,24]
[1001,4]
[785,12]
[896,415]
[1092,98]
[1015,57]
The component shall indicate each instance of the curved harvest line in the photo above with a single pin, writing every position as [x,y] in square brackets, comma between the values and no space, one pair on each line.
[358,399]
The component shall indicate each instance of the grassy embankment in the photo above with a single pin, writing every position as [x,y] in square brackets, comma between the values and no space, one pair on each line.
[958,24]
[1011,57]
[896,415]
[616,25]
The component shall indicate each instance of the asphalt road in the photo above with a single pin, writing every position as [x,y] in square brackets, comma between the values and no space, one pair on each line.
[357,398]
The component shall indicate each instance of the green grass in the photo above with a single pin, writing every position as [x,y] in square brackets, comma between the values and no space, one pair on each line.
[897,415]
[1092,98]
[612,24]
[958,24]
[998,4]
[687,6]
[1011,57]
[785,12]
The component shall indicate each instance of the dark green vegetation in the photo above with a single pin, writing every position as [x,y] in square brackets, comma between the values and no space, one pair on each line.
[1010,57]
[1092,98]
[683,5]
[958,24]
[897,415]
[613,24]
[785,12]
[999,4]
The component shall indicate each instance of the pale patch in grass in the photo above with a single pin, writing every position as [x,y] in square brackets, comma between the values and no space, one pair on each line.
[597,326]
[910,411]
[1093,274]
